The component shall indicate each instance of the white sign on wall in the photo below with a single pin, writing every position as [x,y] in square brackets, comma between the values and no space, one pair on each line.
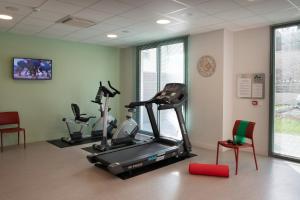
[251,86]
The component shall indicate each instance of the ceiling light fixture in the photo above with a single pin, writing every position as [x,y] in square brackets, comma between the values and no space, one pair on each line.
[6,17]
[163,21]
[111,35]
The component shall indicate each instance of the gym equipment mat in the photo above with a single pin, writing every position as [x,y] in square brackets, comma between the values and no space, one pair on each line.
[62,144]
[149,168]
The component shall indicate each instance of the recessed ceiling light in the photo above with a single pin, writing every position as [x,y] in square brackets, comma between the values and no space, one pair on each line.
[111,35]
[163,21]
[6,17]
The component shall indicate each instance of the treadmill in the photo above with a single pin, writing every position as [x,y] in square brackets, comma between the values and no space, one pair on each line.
[117,161]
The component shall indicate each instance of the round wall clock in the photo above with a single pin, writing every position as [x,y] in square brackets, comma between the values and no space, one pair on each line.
[206,66]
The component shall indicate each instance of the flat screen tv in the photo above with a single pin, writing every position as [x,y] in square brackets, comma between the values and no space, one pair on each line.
[32,69]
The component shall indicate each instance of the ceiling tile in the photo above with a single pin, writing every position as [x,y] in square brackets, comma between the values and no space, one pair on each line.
[104,27]
[180,27]
[135,3]
[248,3]
[58,30]
[217,6]
[163,7]
[111,6]
[93,15]
[235,14]
[251,21]
[5,25]
[22,10]
[188,15]
[35,22]
[207,20]
[121,21]
[296,2]
[48,15]
[139,13]
[26,29]
[151,26]
[84,34]
[29,3]
[283,16]
[82,3]
[16,19]
[124,33]
[270,6]
[60,7]
[191,2]
[225,25]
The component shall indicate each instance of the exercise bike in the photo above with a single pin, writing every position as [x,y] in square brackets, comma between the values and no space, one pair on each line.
[77,136]
[97,127]
[83,120]
[125,134]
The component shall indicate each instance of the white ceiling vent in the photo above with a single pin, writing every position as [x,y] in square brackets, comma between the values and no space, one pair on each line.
[75,21]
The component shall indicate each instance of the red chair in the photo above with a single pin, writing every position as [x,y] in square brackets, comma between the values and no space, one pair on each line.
[236,147]
[11,118]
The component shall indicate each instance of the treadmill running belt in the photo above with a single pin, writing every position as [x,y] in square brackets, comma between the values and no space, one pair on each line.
[131,153]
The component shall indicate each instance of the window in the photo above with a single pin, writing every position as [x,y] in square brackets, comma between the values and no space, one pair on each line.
[160,63]
[285,93]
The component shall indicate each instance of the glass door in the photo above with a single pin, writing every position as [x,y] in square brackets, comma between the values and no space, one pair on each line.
[172,70]
[159,64]
[148,84]
[285,107]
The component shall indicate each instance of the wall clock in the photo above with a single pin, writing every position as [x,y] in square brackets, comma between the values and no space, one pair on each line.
[206,66]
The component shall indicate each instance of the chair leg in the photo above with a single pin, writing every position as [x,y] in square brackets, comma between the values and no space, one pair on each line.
[236,152]
[1,142]
[217,159]
[18,137]
[24,139]
[254,157]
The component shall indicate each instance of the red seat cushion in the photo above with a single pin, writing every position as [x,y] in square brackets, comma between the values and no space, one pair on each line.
[230,145]
[11,130]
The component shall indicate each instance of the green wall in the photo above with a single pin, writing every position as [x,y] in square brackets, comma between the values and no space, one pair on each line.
[77,69]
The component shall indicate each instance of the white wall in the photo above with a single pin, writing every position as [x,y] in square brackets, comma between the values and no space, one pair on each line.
[228,84]
[206,93]
[251,55]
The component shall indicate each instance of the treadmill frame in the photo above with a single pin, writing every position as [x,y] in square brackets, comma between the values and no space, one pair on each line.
[176,148]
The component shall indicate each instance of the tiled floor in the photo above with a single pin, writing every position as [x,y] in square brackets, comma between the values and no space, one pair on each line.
[43,172]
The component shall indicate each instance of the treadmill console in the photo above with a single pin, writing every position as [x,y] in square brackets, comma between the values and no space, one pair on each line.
[173,93]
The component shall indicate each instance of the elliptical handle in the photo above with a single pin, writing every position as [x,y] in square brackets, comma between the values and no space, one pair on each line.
[116,91]
[100,83]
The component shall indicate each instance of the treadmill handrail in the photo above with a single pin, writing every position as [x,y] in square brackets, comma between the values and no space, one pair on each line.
[170,106]
[136,103]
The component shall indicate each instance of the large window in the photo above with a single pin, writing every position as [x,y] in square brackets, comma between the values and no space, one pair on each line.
[159,64]
[285,101]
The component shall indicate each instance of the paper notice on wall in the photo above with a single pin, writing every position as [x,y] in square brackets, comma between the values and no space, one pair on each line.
[244,87]
[257,90]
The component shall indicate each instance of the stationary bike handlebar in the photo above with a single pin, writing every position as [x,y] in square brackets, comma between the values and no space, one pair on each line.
[115,90]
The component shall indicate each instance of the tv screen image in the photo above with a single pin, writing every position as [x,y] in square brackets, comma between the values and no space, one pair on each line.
[32,69]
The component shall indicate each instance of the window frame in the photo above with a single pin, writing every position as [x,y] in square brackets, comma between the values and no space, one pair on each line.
[271,152]
[157,45]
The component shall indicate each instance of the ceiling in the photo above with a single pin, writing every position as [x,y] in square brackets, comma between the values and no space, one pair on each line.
[134,21]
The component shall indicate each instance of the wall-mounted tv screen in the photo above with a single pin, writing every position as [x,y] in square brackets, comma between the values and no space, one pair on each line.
[32,69]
